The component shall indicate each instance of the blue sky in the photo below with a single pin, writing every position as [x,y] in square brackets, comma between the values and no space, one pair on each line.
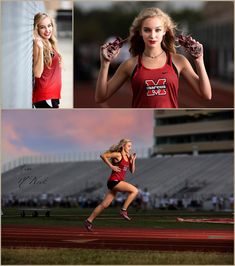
[31,132]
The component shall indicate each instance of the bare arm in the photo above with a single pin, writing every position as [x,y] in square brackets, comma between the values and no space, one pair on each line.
[132,163]
[106,88]
[204,82]
[38,62]
[111,155]
[199,81]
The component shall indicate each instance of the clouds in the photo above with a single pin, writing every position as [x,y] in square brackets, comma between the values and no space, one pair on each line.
[30,132]
[11,144]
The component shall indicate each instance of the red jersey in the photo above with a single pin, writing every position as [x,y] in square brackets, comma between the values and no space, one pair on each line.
[123,165]
[155,88]
[48,86]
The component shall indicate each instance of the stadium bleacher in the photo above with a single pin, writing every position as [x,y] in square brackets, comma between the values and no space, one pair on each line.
[207,173]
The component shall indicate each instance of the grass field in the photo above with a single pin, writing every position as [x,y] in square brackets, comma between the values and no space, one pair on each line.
[149,219]
[110,218]
[104,257]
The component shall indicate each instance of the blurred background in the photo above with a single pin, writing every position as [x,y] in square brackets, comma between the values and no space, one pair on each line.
[210,22]
[16,50]
[184,158]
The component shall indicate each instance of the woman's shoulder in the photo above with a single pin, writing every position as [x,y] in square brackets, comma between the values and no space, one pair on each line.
[114,154]
[179,60]
[37,42]
[129,64]
[34,43]
[177,57]
[131,61]
[117,156]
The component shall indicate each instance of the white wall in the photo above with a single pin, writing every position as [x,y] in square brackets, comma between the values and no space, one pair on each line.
[16,52]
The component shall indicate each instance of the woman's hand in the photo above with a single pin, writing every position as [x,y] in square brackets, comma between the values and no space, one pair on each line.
[116,168]
[199,56]
[133,157]
[193,47]
[132,162]
[108,52]
[198,79]
[196,50]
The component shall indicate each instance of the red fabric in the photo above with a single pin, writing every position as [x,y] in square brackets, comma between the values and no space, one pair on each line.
[123,165]
[155,88]
[48,86]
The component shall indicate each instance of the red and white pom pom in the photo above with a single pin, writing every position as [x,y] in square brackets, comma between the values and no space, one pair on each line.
[191,46]
[112,48]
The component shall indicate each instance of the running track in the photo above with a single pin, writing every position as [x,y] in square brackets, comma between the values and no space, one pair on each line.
[116,238]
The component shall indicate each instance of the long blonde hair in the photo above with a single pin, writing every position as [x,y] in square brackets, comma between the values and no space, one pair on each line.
[136,41]
[53,40]
[118,147]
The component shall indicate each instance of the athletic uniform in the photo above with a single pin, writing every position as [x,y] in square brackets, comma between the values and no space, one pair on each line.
[113,180]
[48,86]
[155,88]
[116,177]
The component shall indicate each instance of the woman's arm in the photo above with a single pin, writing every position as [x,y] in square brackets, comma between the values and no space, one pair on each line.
[114,155]
[38,62]
[198,81]
[204,82]
[132,163]
[106,88]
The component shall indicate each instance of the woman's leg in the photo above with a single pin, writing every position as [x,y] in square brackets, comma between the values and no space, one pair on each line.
[103,205]
[126,187]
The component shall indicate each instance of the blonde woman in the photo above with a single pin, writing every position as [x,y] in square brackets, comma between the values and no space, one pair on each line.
[119,159]
[154,67]
[46,63]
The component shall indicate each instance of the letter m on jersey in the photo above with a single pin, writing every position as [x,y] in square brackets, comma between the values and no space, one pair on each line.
[158,88]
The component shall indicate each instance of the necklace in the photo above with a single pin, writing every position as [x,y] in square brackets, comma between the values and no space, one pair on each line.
[155,56]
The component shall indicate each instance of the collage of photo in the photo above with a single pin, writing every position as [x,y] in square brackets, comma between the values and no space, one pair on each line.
[117,132]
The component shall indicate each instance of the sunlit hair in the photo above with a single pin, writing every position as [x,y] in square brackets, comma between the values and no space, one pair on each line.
[46,49]
[137,45]
[118,147]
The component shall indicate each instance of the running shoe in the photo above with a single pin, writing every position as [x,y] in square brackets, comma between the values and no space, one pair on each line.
[124,214]
[88,225]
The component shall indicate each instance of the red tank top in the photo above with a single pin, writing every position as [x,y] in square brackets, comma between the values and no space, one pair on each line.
[155,88]
[48,86]
[123,165]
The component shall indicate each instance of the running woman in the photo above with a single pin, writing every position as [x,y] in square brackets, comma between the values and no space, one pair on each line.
[46,63]
[155,67]
[119,159]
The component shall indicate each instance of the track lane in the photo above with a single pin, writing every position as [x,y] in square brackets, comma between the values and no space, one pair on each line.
[116,238]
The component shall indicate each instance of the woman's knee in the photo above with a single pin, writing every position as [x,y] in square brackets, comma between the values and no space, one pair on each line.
[135,191]
[105,204]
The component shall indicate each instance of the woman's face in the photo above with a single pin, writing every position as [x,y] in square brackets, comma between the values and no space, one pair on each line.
[152,31]
[127,147]
[45,28]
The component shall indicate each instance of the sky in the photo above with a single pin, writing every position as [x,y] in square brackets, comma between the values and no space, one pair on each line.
[32,133]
